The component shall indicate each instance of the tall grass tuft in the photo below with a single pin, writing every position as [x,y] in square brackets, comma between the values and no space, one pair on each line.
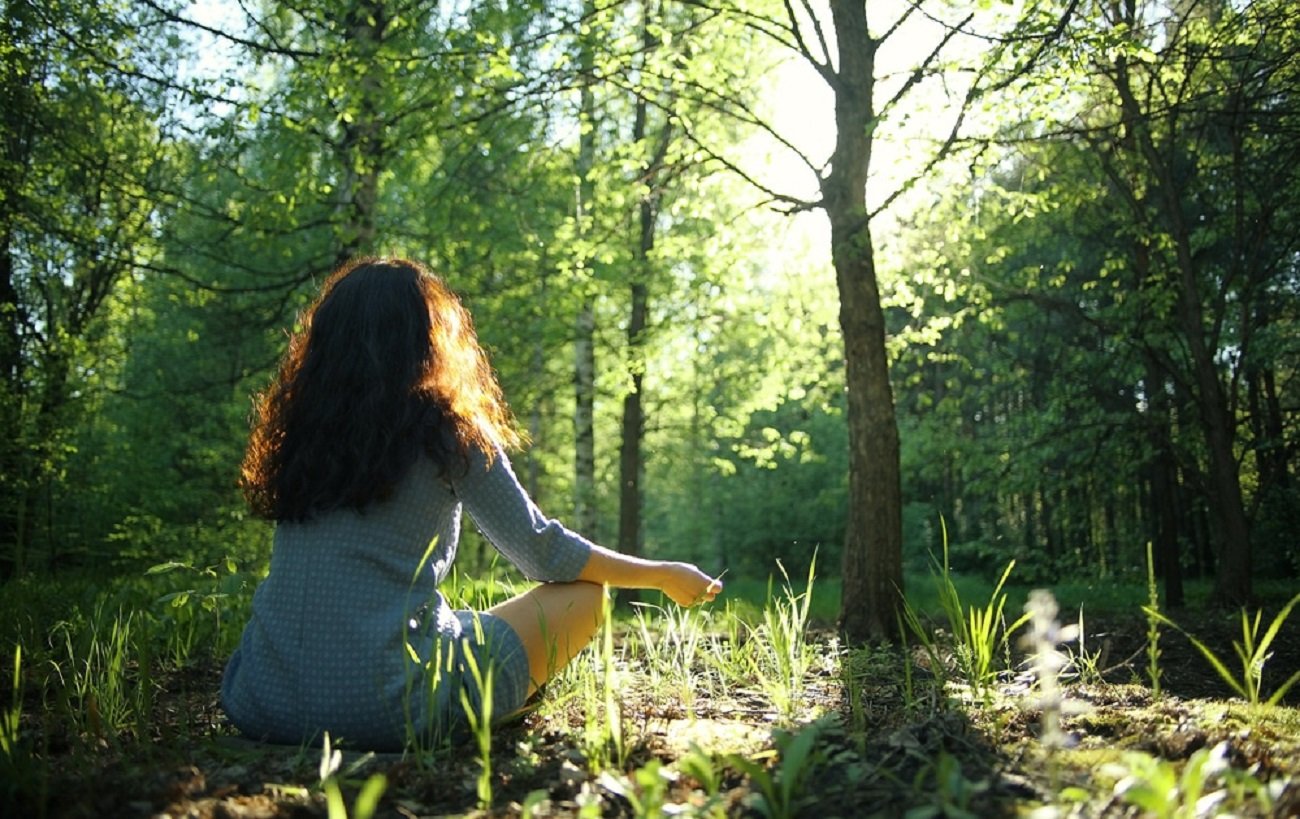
[603,740]
[104,675]
[979,633]
[670,642]
[480,722]
[781,655]
[9,718]
[1252,653]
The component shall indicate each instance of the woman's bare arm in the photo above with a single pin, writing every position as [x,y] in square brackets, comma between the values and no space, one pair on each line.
[684,583]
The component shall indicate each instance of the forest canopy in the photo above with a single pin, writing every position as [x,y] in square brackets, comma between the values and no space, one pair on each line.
[1075,221]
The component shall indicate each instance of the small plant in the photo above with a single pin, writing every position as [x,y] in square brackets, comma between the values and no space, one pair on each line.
[948,793]
[603,740]
[1156,787]
[645,789]
[978,633]
[1252,652]
[10,716]
[1047,662]
[778,787]
[480,720]
[702,767]
[1085,664]
[533,802]
[781,655]
[190,612]
[927,643]
[1154,619]
[852,684]
[367,800]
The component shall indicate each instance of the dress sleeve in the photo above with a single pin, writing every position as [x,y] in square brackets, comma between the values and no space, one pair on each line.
[541,547]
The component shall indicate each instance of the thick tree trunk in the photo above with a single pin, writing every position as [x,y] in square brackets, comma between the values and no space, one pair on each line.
[872,560]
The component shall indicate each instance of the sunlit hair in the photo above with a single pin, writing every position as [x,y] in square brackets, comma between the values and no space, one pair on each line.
[384,365]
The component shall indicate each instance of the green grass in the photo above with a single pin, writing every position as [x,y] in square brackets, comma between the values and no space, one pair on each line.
[90,657]
[747,594]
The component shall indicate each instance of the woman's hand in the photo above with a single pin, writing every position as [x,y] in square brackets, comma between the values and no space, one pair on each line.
[687,585]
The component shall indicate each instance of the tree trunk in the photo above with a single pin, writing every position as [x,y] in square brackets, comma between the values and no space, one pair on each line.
[361,148]
[1162,476]
[630,465]
[11,453]
[1232,577]
[584,343]
[872,560]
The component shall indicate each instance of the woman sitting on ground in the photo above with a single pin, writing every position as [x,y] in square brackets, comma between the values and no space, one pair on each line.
[384,422]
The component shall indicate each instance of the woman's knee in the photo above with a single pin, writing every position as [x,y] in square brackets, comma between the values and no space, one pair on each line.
[589,596]
[554,621]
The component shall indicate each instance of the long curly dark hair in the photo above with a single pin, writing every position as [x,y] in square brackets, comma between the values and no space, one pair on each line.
[384,365]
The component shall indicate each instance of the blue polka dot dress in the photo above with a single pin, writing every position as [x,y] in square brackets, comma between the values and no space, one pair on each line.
[350,635]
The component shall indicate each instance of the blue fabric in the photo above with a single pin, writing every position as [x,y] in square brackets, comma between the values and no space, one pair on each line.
[349,634]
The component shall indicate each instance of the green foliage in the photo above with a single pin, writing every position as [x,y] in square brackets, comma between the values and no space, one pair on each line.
[104,673]
[980,635]
[782,654]
[193,615]
[704,769]
[480,720]
[945,791]
[367,799]
[1252,651]
[796,755]
[84,164]
[1207,784]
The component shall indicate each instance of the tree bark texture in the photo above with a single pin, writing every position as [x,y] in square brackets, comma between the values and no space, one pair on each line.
[631,465]
[584,343]
[361,147]
[872,558]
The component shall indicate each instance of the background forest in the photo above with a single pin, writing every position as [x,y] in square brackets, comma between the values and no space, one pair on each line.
[1082,240]
[922,301]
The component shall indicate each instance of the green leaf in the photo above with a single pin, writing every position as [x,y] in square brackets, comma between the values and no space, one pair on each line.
[170,565]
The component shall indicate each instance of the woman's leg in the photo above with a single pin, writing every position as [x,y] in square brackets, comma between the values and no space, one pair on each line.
[554,621]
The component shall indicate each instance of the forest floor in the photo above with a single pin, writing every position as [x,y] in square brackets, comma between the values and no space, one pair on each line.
[868,734]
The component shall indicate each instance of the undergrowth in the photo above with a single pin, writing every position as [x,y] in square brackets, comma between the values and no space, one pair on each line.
[749,706]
